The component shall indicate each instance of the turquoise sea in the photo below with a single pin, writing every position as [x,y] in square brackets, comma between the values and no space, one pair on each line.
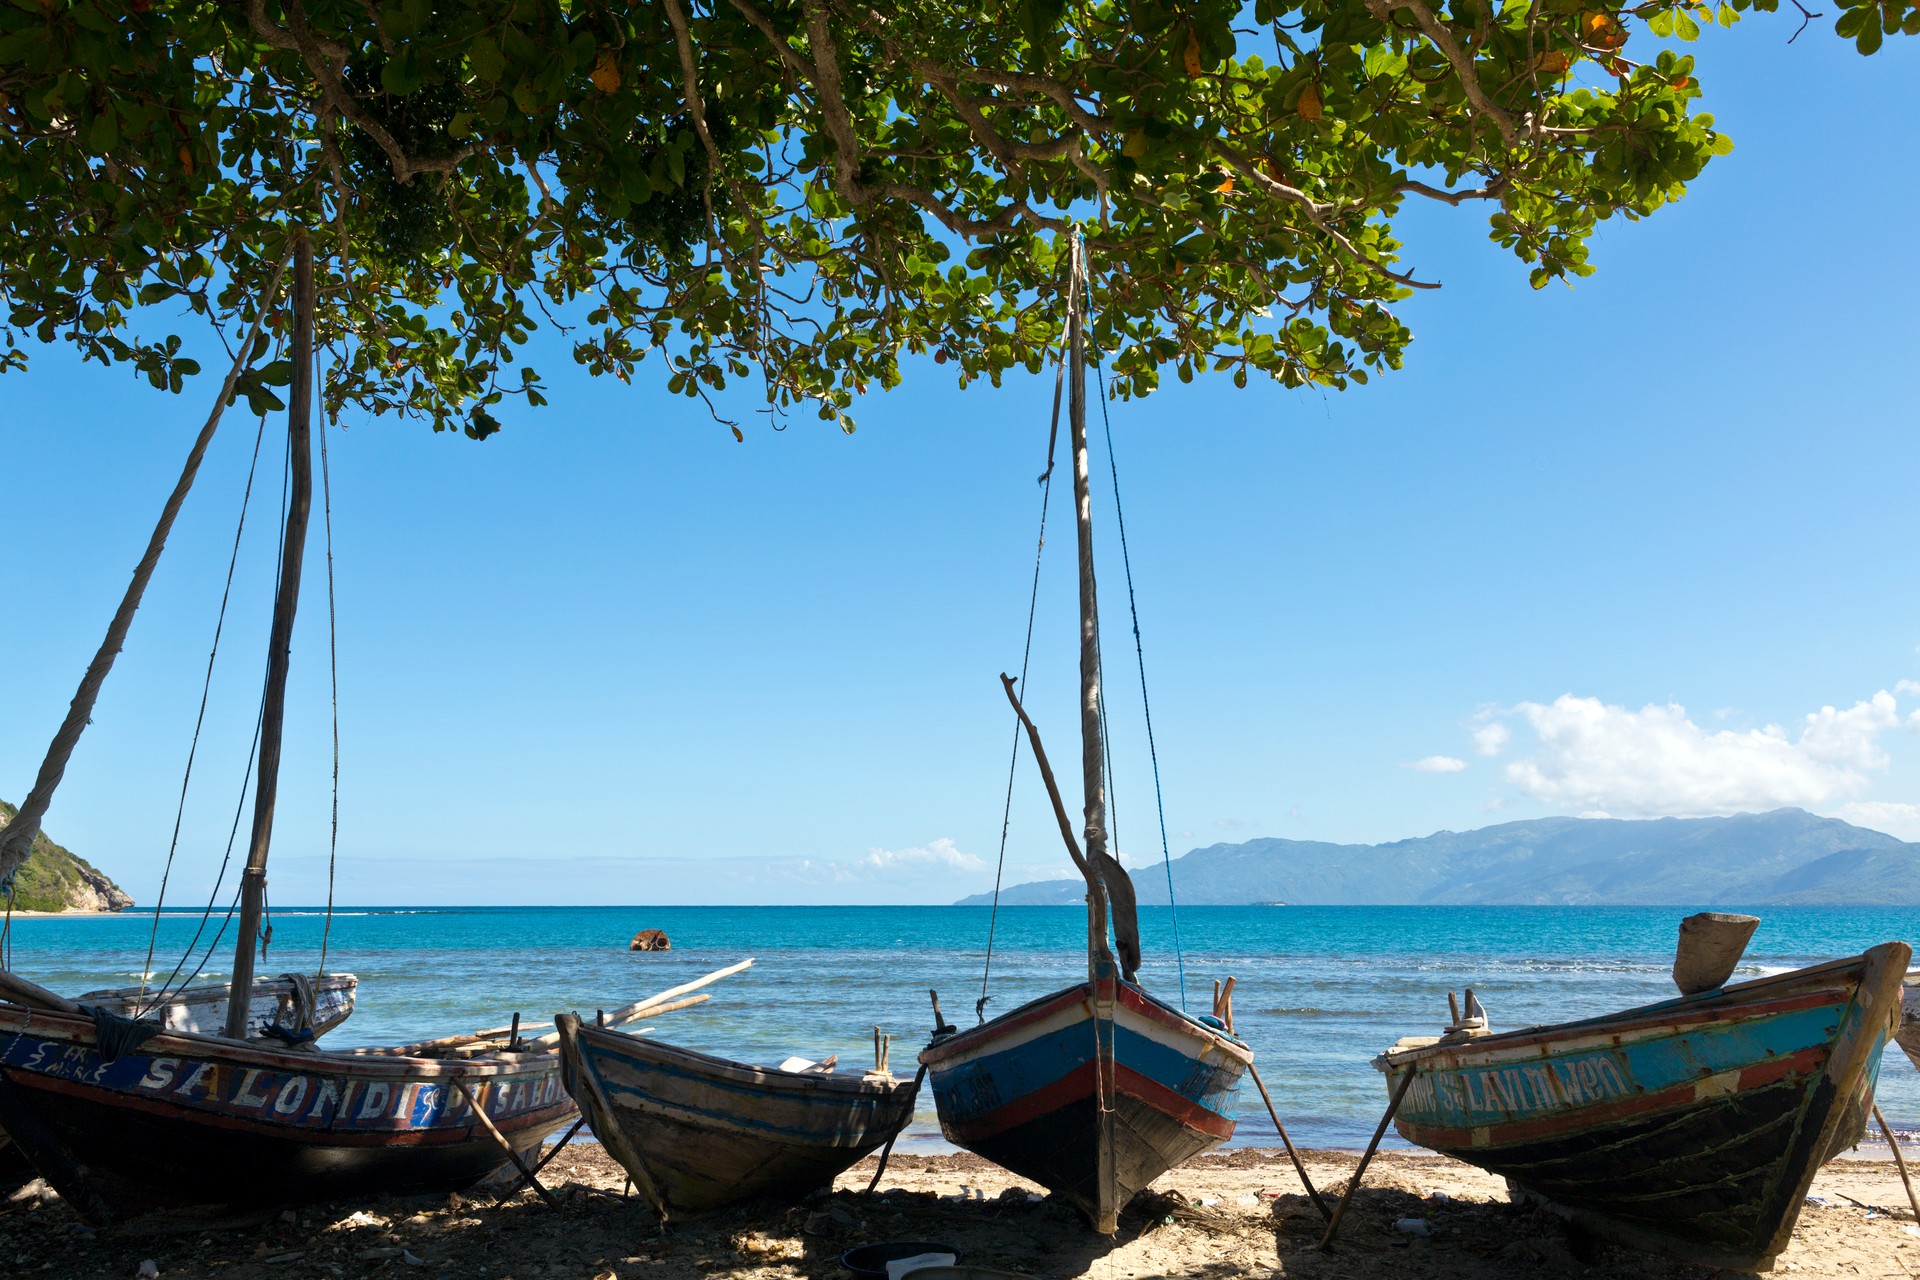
[1321,989]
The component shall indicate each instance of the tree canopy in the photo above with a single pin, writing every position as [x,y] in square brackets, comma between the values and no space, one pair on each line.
[805,191]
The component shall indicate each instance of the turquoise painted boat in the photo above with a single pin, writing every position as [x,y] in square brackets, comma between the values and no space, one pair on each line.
[1691,1127]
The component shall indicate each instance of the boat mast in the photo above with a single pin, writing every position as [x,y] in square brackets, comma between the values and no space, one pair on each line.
[253,881]
[1093,759]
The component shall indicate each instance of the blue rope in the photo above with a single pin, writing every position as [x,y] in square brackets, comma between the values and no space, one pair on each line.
[1133,609]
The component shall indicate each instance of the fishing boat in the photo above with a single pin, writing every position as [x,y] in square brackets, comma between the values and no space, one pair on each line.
[697,1132]
[127,1114]
[1691,1127]
[1096,1090]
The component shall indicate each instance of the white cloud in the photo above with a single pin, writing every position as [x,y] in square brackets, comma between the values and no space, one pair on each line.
[1491,738]
[1436,764]
[942,852]
[1656,761]
[1901,820]
[1907,686]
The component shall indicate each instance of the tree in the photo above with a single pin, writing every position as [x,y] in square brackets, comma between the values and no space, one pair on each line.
[810,189]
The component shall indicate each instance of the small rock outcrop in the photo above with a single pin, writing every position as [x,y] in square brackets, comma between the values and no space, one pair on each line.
[54,879]
[650,940]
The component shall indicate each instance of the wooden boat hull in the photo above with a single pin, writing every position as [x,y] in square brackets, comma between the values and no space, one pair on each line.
[188,1119]
[1023,1091]
[1692,1127]
[698,1132]
[1908,1034]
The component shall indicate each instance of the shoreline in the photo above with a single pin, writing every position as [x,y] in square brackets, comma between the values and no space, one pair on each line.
[1239,1212]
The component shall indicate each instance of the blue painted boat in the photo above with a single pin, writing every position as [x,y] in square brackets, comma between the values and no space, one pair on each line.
[1691,1127]
[1094,1091]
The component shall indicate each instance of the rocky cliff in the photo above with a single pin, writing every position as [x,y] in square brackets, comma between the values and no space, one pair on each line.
[55,879]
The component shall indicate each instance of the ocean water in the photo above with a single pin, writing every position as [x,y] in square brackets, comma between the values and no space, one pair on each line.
[1321,989]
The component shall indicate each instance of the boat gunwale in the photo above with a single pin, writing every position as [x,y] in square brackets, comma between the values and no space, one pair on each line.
[741,1073]
[1720,1005]
[1134,996]
[266,1126]
[16,1019]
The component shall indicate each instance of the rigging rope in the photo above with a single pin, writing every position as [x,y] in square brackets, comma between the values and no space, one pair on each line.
[1026,653]
[206,688]
[333,678]
[233,831]
[1146,706]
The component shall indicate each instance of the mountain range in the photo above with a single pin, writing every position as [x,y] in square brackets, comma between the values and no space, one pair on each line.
[1786,856]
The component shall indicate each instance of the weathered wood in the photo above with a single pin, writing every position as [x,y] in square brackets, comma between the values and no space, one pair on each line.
[887,1151]
[1059,807]
[1226,1004]
[706,1131]
[650,1011]
[285,1127]
[273,708]
[500,1138]
[1723,1105]
[1711,944]
[1285,1141]
[644,1008]
[1899,1161]
[1353,1185]
[17,989]
[592,1100]
[16,838]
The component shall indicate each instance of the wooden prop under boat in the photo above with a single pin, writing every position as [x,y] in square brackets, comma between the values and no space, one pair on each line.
[1096,1090]
[188,1119]
[698,1132]
[1032,1089]
[1691,1127]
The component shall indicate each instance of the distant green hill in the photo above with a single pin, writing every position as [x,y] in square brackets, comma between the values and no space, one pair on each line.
[55,879]
[1786,856]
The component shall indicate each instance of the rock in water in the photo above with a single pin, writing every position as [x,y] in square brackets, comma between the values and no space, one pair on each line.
[650,940]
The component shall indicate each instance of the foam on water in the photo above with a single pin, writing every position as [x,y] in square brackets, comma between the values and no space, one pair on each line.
[1321,989]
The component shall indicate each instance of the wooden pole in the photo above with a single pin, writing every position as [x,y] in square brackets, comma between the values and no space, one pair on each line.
[646,1008]
[1340,1210]
[1899,1162]
[526,1174]
[16,838]
[253,880]
[887,1150]
[1298,1167]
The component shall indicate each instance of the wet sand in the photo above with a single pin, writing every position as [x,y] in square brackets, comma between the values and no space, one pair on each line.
[1237,1213]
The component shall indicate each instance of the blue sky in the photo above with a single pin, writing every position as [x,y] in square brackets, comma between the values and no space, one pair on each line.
[1607,549]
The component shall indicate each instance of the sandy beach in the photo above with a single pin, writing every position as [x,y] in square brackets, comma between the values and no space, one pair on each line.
[1237,1213]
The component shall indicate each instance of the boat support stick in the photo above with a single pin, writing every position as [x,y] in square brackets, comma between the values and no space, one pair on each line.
[1287,1142]
[525,1173]
[547,1159]
[887,1150]
[1899,1161]
[1353,1184]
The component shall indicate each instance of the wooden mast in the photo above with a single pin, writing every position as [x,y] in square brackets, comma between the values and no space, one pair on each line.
[1093,759]
[1093,765]
[253,881]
